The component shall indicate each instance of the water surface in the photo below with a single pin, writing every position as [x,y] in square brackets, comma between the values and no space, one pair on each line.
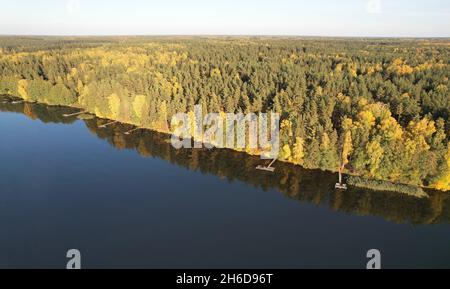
[135,202]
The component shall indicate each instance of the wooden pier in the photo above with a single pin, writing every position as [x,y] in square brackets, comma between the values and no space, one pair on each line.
[132,130]
[340,185]
[269,168]
[108,124]
[73,114]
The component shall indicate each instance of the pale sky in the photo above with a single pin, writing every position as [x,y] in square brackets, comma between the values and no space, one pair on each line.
[387,18]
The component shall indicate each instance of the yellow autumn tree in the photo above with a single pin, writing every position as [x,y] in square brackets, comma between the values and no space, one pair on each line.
[367,119]
[418,134]
[138,106]
[391,129]
[114,106]
[80,86]
[286,128]
[84,95]
[285,153]
[443,182]
[163,117]
[375,152]
[298,151]
[399,67]
[347,148]
[22,89]
[347,124]
[424,127]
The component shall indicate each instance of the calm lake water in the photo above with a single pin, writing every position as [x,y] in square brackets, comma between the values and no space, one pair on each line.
[135,202]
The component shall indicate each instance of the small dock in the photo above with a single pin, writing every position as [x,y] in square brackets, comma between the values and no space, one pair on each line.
[73,114]
[108,124]
[340,185]
[132,130]
[269,168]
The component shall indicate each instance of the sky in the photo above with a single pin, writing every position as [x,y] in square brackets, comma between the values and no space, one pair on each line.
[374,18]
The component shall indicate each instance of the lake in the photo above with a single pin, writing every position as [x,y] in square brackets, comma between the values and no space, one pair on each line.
[133,201]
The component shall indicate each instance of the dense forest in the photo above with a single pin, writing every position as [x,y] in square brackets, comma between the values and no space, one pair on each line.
[378,107]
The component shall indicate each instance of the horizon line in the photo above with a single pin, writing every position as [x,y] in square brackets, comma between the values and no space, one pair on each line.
[224,35]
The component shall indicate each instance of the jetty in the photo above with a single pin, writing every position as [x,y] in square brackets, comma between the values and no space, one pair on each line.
[269,168]
[73,114]
[132,130]
[340,185]
[108,124]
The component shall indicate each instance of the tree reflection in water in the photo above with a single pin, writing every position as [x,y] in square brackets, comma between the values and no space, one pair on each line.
[296,183]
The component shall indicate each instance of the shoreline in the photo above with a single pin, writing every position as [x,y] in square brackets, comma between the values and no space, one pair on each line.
[407,188]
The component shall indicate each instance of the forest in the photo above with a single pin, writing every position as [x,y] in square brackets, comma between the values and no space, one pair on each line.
[379,108]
